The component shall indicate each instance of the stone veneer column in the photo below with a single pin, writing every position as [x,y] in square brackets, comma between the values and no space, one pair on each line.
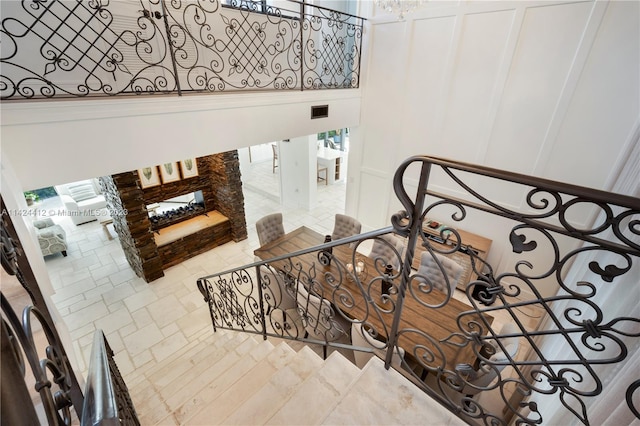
[131,223]
[227,191]
[219,180]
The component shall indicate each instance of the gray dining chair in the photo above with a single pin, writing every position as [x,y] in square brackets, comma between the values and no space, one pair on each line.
[360,337]
[383,249]
[320,320]
[276,295]
[480,378]
[345,226]
[429,268]
[269,228]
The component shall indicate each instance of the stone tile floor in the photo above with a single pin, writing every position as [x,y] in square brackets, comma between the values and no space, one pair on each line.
[146,322]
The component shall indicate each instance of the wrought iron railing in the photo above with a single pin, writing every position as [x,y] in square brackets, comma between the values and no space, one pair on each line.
[107,399]
[47,370]
[45,383]
[69,48]
[512,364]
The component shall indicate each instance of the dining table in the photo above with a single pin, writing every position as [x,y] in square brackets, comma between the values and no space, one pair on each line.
[428,320]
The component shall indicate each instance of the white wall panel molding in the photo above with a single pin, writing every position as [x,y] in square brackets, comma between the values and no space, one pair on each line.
[502,76]
[571,82]
[376,172]
[544,54]
[625,176]
[479,57]
[605,105]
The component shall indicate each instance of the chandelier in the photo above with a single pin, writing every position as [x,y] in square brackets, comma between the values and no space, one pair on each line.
[399,7]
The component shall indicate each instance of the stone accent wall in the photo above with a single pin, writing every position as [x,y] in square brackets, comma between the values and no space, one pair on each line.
[202,182]
[227,185]
[131,223]
[218,179]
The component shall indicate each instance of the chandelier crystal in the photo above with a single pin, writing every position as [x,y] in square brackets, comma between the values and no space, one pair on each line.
[399,7]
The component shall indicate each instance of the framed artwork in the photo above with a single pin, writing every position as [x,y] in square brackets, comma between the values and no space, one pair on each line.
[169,172]
[189,168]
[149,176]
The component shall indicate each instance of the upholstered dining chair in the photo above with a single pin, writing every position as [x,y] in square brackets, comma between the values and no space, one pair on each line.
[275,293]
[345,226]
[480,378]
[320,320]
[382,249]
[474,380]
[269,228]
[360,337]
[429,268]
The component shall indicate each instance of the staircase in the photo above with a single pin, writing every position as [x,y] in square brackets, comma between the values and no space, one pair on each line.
[237,378]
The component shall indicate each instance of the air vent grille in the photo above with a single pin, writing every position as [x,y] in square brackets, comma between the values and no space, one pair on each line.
[319,111]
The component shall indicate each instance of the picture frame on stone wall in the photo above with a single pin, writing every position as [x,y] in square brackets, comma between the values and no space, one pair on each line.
[149,176]
[189,168]
[169,172]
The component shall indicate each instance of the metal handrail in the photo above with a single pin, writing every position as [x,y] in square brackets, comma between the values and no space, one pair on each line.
[99,398]
[105,402]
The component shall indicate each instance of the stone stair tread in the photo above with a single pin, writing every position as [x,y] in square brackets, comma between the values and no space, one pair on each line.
[222,372]
[327,385]
[382,396]
[222,383]
[204,368]
[174,365]
[267,400]
[220,406]
[146,393]
[172,372]
[239,378]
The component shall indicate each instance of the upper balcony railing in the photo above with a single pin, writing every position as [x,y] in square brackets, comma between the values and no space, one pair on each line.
[83,48]
[543,323]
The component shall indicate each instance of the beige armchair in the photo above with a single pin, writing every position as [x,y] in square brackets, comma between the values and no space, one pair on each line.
[51,237]
[82,200]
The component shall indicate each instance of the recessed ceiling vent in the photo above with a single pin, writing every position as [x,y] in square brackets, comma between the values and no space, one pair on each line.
[319,111]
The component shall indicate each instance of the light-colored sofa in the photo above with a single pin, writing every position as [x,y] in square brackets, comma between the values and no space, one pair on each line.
[51,237]
[82,200]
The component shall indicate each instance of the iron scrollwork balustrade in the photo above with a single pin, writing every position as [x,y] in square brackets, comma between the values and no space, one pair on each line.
[297,300]
[105,48]
[513,363]
[49,367]
[573,314]
[52,377]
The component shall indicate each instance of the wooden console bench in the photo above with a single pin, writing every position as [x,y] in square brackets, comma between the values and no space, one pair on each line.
[191,237]
[480,244]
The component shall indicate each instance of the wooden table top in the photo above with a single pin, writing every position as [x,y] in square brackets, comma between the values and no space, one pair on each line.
[438,322]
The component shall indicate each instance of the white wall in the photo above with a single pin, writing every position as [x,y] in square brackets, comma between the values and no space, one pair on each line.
[63,141]
[549,89]
[297,163]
